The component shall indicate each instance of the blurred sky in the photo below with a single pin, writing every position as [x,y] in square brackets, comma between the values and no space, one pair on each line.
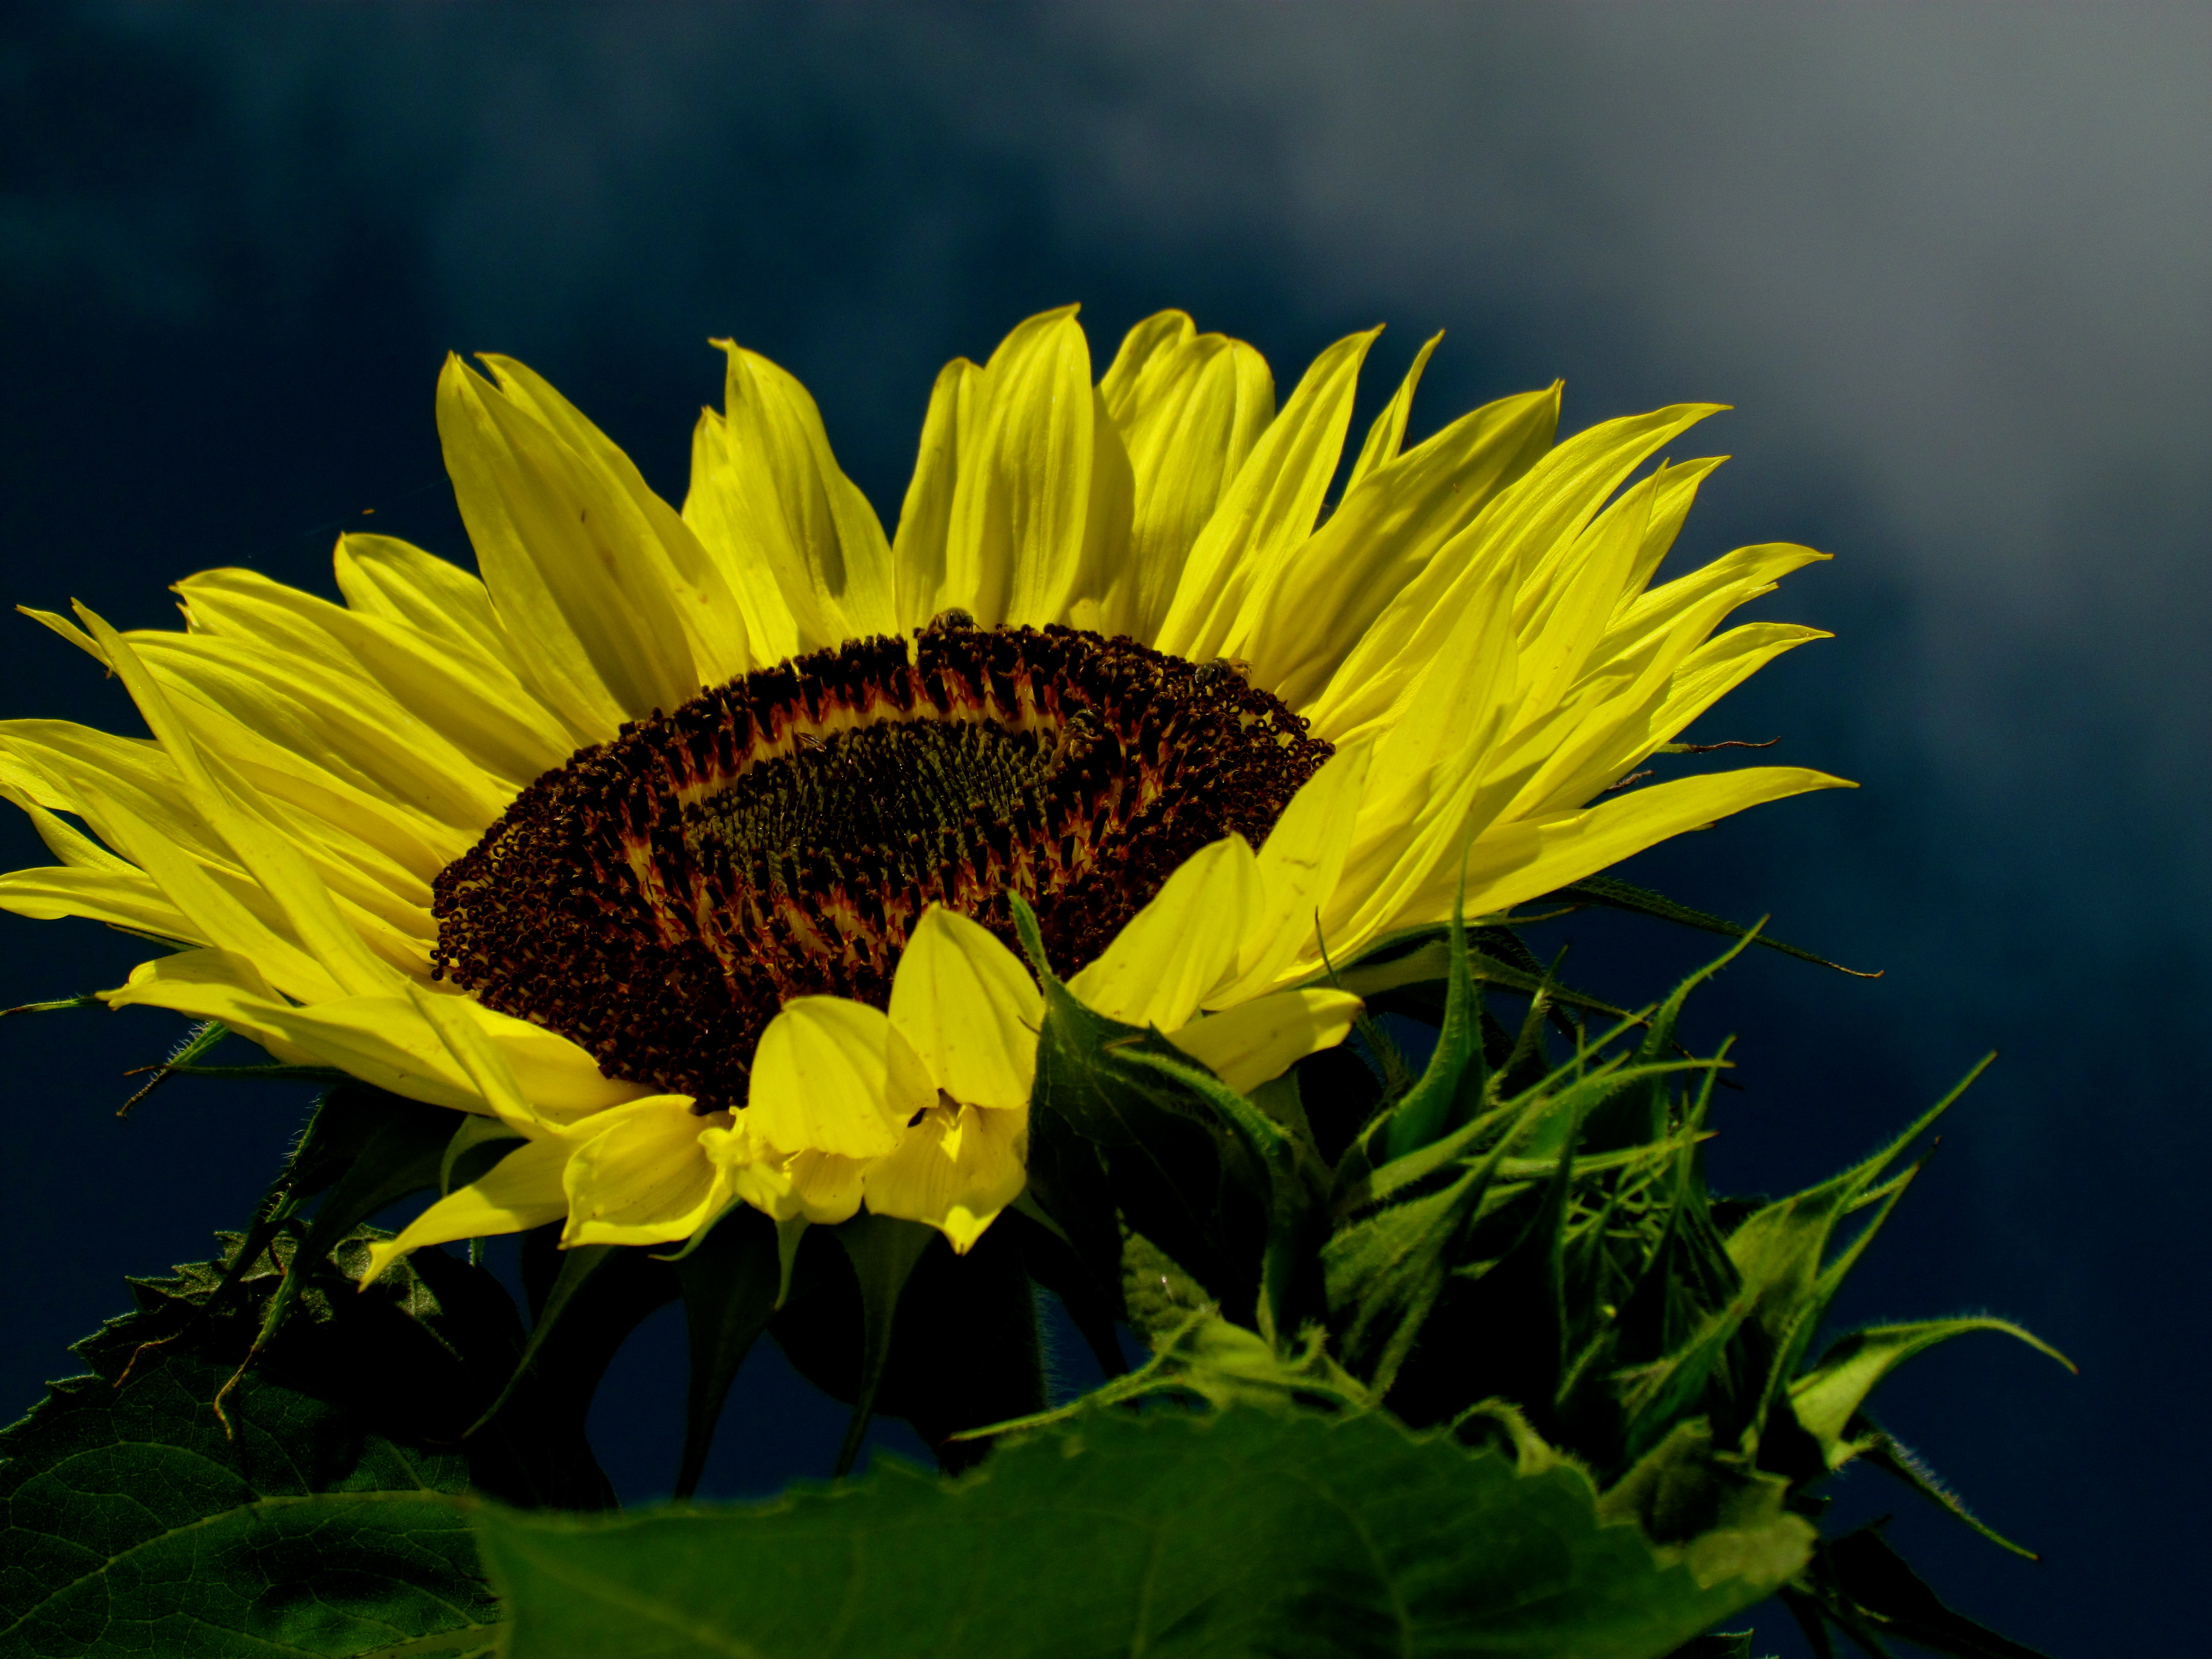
[1952,266]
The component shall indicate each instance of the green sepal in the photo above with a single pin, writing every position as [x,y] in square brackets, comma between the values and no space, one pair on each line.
[54,1006]
[1617,894]
[1120,1131]
[1454,1086]
[1296,1192]
[1424,957]
[1865,1586]
[1222,1364]
[1050,1258]
[202,1037]
[577,1266]
[586,1302]
[732,1281]
[883,1250]
[1894,1458]
[1830,1395]
[963,1343]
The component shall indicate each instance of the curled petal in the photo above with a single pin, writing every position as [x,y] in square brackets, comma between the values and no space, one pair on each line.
[833,1076]
[956,1168]
[970,1010]
[639,1175]
[522,1190]
[1257,1041]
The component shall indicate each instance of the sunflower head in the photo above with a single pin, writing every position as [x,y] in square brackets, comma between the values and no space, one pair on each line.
[599,837]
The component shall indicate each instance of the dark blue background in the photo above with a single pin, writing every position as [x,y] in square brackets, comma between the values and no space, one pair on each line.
[1952,264]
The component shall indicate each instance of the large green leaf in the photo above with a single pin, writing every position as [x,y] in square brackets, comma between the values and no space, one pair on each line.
[1248,1532]
[135,1520]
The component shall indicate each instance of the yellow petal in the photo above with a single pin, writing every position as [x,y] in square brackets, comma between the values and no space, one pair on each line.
[833,1076]
[776,499]
[1257,1041]
[1387,434]
[1678,488]
[1174,952]
[521,1191]
[1041,508]
[461,696]
[926,583]
[969,1009]
[822,1187]
[639,1175]
[452,1019]
[1270,506]
[956,1170]
[705,605]
[1299,864]
[1308,612]
[575,569]
[1525,860]
[1189,408]
[1513,540]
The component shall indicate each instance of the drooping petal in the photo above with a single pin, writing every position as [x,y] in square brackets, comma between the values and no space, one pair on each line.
[464,697]
[521,1191]
[1174,952]
[1257,1041]
[956,1170]
[969,1009]
[224,805]
[833,1076]
[639,1175]
[823,1187]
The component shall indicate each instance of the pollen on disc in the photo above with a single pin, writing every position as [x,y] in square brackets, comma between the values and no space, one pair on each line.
[659,896]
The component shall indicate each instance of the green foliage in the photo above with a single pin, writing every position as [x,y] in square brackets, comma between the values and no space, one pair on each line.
[315,1520]
[1516,1244]
[1467,1358]
[1247,1531]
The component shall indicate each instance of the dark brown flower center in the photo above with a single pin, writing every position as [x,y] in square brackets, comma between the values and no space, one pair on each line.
[658,898]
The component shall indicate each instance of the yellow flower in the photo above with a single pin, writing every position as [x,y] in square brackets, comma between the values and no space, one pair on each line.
[681,843]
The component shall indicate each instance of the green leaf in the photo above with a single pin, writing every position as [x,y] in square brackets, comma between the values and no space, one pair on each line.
[1617,894]
[132,1522]
[394,1147]
[1248,1532]
[1718,1644]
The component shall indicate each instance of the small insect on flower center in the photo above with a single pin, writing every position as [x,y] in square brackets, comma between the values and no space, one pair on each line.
[658,897]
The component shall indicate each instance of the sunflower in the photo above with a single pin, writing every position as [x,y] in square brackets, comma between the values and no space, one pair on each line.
[683,846]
